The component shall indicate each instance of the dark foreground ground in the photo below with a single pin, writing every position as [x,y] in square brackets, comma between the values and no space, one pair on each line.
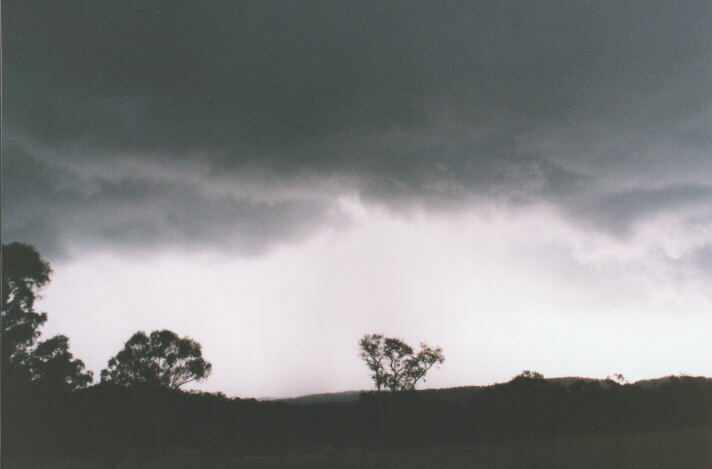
[689,448]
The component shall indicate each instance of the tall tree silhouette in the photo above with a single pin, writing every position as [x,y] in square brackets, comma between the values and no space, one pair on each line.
[160,360]
[48,363]
[23,274]
[372,353]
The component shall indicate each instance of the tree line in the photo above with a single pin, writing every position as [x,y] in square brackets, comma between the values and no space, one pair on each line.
[160,359]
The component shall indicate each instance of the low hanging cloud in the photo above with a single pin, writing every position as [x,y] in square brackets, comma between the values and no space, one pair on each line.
[242,125]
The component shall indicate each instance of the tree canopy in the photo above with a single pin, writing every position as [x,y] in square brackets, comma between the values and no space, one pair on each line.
[529,375]
[394,364]
[48,363]
[52,365]
[23,274]
[160,360]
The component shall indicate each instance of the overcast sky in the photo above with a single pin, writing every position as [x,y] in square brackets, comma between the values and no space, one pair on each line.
[526,184]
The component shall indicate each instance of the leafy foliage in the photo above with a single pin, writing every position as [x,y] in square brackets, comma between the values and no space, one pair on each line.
[53,366]
[49,363]
[617,378]
[529,375]
[372,353]
[394,363]
[23,274]
[160,360]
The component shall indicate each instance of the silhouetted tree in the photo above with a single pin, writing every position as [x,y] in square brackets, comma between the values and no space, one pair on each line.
[23,274]
[617,378]
[53,366]
[372,353]
[161,360]
[48,363]
[394,363]
[529,375]
[419,365]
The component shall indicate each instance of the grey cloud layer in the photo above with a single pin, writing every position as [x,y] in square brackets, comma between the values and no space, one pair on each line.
[600,108]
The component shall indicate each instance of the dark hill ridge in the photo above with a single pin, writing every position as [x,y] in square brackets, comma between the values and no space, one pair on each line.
[323,398]
[110,421]
[460,394]
[657,382]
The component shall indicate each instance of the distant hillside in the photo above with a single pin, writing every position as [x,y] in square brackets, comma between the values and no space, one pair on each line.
[325,398]
[460,395]
[653,383]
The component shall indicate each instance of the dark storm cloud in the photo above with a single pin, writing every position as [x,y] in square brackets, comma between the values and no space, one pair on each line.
[618,211]
[58,210]
[600,108]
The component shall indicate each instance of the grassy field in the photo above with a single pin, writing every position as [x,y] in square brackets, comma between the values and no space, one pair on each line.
[691,448]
